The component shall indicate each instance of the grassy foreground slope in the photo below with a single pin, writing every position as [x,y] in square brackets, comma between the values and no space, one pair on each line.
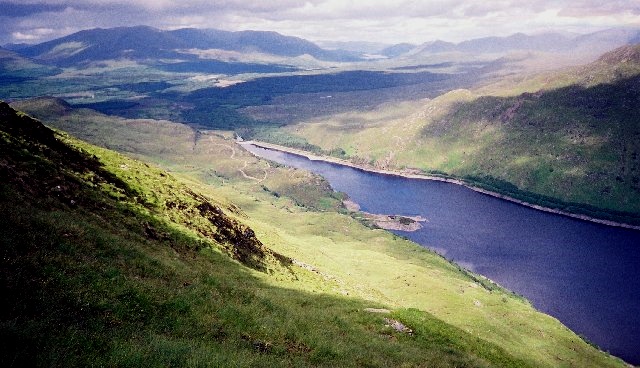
[107,261]
[340,267]
[567,139]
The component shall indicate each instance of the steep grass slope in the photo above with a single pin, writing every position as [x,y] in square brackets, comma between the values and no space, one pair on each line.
[107,261]
[568,139]
[341,267]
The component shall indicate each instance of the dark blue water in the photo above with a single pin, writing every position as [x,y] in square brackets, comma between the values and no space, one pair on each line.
[585,274]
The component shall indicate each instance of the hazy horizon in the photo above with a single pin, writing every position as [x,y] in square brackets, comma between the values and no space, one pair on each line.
[34,21]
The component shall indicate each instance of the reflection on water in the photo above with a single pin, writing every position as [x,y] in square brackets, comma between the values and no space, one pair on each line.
[584,274]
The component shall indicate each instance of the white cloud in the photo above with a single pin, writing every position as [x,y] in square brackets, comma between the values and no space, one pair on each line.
[35,34]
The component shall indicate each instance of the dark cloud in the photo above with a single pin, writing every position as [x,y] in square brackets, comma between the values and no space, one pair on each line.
[9,9]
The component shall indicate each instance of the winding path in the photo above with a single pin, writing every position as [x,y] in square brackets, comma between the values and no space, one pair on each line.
[245,162]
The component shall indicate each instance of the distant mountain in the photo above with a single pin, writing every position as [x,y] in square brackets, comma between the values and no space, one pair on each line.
[15,46]
[437,46]
[365,47]
[608,39]
[397,50]
[16,68]
[518,41]
[104,44]
[260,41]
[596,43]
[150,44]
[146,43]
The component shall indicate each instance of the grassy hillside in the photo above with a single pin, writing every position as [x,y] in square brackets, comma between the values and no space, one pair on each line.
[309,311]
[568,139]
[107,261]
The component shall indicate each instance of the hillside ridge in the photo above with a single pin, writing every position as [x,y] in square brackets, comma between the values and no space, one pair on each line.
[66,181]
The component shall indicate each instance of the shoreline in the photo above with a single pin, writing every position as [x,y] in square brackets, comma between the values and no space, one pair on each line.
[409,175]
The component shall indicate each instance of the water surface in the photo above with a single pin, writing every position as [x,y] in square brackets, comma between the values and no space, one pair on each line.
[585,274]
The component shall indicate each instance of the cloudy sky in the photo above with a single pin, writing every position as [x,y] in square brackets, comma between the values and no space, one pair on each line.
[386,21]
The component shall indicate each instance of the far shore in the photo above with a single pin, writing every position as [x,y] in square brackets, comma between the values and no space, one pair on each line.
[411,175]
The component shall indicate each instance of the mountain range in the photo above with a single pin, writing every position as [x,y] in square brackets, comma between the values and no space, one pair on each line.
[147,43]
[597,43]
[142,42]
